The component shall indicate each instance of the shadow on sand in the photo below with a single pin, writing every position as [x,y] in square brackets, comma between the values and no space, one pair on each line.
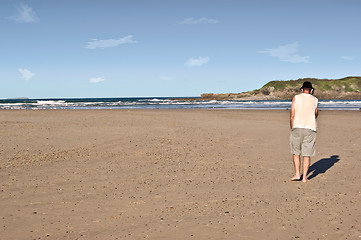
[322,165]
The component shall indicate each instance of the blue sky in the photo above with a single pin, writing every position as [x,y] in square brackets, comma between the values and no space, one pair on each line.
[108,48]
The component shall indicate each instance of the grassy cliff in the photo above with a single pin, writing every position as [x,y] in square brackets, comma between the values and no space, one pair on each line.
[348,84]
[344,88]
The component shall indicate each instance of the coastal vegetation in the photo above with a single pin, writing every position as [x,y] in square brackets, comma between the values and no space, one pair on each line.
[344,88]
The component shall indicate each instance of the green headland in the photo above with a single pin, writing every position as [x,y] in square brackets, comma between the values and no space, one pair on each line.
[344,88]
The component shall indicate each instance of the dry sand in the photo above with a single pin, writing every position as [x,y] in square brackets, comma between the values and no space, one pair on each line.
[175,174]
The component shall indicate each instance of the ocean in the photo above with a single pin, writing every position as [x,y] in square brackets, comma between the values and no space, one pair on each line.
[165,103]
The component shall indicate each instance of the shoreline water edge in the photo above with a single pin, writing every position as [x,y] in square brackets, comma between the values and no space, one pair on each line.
[166,103]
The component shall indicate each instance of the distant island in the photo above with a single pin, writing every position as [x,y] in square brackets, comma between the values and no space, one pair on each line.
[18,98]
[344,88]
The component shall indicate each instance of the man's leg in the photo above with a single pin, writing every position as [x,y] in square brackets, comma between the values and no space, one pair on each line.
[306,165]
[297,164]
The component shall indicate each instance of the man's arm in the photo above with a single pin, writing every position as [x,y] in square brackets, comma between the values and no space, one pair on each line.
[292,116]
[316,112]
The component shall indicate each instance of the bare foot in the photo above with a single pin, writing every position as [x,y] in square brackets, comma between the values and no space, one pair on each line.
[305,180]
[296,178]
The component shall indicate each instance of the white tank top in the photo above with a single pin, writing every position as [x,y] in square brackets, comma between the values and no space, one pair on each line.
[305,107]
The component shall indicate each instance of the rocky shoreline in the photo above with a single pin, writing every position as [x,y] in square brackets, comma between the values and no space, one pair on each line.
[286,95]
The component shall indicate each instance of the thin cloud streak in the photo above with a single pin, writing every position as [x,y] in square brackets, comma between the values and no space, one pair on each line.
[95,43]
[202,20]
[347,58]
[24,14]
[197,62]
[164,78]
[97,80]
[287,53]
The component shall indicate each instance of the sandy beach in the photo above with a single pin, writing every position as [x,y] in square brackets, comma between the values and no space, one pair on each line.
[175,174]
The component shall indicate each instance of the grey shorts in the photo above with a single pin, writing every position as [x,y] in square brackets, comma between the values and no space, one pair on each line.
[303,142]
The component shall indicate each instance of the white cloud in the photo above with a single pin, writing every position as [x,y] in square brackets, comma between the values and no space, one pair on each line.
[97,80]
[95,43]
[287,53]
[202,20]
[24,14]
[197,62]
[26,74]
[347,58]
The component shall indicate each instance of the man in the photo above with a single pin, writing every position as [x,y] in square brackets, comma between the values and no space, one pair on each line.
[304,112]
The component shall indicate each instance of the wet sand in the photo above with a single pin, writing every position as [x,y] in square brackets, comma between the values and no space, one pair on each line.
[175,174]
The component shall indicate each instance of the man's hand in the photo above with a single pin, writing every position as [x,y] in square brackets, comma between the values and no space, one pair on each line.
[292,116]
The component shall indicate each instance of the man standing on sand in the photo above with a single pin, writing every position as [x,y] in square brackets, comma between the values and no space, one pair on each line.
[304,112]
